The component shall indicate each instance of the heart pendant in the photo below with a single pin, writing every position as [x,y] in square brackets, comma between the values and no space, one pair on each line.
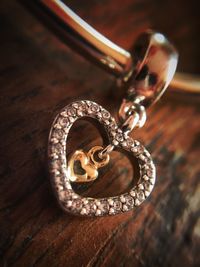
[63,174]
[91,172]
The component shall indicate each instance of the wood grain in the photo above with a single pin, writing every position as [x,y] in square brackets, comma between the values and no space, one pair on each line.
[39,74]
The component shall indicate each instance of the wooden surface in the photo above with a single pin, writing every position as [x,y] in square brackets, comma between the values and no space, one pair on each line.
[39,74]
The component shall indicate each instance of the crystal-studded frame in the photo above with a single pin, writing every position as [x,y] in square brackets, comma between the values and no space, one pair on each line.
[67,198]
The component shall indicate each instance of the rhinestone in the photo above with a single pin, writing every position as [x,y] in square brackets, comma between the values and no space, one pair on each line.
[75,196]
[63,121]
[66,130]
[113,125]
[107,122]
[98,212]
[148,186]
[58,179]
[78,204]
[57,133]
[110,202]
[147,153]
[79,112]
[117,205]
[146,193]
[134,149]
[105,114]
[149,172]
[54,141]
[55,171]
[89,103]
[83,211]
[132,193]
[99,115]
[87,207]
[71,119]
[129,201]
[115,142]
[140,149]
[65,195]
[75,105]
[59,187]
[129,142]
[93,208]
[122,199]
[124,144]
[62,142]
[64,113]
[85,201]
[82,106]
[57,126]
[113,133]
[141,187]
[140,196]
[136,142]
[97,202]
[71,111]
[142,157]
[104,207]
[111,211]
[125,208]
[57,148]
[53,156]
[145,177]
[137,202]
[55,164]
[93,108]
[69,203]
[152,181]
[68,185]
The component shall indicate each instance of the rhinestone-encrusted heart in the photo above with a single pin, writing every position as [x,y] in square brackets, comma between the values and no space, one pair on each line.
[67,198]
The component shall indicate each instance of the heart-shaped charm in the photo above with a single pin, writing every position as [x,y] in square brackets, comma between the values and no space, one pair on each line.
[59,166]
[88,164]
[91,172]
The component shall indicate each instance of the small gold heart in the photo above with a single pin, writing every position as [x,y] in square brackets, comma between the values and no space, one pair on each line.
[88,163]
[90,169]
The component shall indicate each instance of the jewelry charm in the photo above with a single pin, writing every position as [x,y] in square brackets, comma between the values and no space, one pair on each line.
[145,76]
[62,171]
[88,164]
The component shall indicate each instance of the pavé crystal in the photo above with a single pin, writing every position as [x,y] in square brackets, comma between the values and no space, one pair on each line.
[68,199]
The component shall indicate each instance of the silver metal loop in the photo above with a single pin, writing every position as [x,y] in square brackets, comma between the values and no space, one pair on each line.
[107,150]
[132,115]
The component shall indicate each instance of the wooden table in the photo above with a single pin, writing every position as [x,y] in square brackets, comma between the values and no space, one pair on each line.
[39,74]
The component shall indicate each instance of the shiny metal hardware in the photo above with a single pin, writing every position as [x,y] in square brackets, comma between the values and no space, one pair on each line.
[111,56]
[155,61]
[116,59]
[132,115]
[106,151]
[154,64]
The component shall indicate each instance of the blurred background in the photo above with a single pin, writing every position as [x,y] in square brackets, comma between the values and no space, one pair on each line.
[41,72]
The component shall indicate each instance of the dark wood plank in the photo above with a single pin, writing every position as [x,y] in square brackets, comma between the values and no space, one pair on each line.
[39,74]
